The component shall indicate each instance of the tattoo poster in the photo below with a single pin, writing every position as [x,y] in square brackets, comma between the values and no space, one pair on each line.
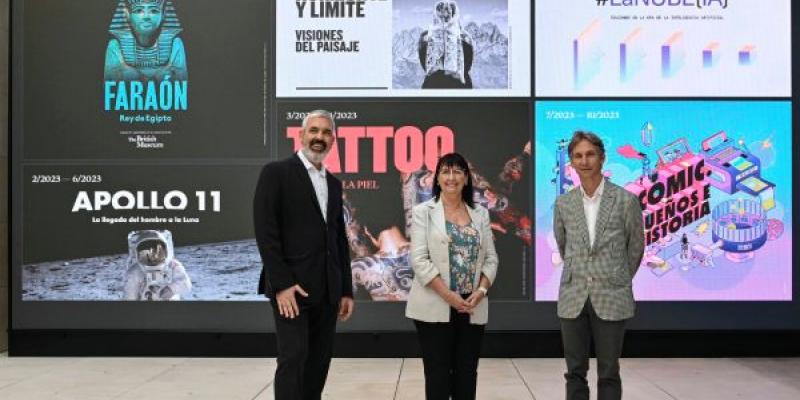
[145,80]
[715,183]
[139,233]
[697,48]
[391,48]
[386,156]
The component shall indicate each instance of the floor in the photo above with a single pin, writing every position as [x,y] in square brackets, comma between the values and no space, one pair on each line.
[393,378]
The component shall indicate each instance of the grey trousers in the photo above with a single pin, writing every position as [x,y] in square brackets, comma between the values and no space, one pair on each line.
[608,336]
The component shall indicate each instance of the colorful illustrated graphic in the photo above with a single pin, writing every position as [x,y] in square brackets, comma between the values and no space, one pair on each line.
[716,210]
[586,55]
[710,55]
[631,55]
[630,49]
[672,55]
[747,54]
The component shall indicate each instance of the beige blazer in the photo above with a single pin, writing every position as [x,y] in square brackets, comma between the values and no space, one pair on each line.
[430,257]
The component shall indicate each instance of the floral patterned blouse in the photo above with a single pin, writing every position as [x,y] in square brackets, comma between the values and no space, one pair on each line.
[464,245]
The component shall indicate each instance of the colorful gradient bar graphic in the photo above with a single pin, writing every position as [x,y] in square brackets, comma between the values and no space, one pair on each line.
[710,54]
[624,49]
[583,63]
[667,53]
[746,54]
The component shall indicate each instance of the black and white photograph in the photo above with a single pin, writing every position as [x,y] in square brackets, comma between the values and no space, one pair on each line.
[450,44]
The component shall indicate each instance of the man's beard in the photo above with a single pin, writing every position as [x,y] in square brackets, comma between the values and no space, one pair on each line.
[313,156]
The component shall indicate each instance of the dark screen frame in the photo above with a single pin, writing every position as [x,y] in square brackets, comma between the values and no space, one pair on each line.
[255,317]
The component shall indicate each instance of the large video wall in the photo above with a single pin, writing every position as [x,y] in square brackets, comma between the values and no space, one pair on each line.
[144,120]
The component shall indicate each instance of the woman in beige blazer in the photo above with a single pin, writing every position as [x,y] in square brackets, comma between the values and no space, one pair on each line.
[454,262]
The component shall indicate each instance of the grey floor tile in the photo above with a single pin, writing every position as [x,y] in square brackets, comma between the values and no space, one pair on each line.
[375,379]
[207,379]
[719,378]
[76,378]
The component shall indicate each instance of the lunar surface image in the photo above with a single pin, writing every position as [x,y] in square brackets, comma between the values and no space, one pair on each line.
[218,271]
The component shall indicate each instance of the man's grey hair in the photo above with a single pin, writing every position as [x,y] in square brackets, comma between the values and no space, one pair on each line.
[319,114]
[590,137]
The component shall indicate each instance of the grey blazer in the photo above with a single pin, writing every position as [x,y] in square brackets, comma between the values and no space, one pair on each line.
[430,257]
[605,271]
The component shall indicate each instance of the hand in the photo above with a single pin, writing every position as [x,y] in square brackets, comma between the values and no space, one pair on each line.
[287,304]
[496,226]
[455,301]
[166,293]
[475,298]
[346,306]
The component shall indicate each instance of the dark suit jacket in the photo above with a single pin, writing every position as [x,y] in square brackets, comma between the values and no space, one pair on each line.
[296,245]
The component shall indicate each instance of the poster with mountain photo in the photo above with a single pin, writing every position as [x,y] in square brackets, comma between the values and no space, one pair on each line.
[449,44]
[403,48]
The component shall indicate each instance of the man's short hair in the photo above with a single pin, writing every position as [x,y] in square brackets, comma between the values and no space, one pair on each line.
[589,137]
[319,114]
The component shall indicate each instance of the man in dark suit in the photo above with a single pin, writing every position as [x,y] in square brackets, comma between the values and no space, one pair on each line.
[300,232]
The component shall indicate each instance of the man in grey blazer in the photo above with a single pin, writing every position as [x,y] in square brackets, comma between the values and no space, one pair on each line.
[598,228]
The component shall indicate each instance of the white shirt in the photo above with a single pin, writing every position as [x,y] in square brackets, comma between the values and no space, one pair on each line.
[320,183]
[591,206]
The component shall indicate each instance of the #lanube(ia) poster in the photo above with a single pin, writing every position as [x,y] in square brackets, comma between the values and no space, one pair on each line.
[715,184]
[387,48]
[721,48]
[386,156]
[139,233]
[145,79]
